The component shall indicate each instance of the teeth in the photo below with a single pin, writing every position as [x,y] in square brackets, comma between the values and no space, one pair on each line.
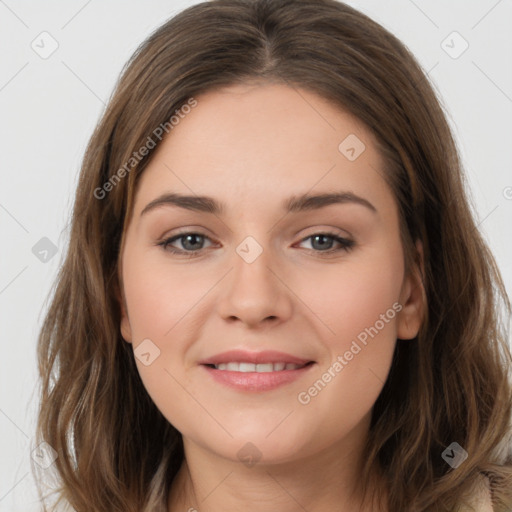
[259,368]
[265,367]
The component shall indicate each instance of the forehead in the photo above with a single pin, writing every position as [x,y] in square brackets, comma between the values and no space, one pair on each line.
[263,142]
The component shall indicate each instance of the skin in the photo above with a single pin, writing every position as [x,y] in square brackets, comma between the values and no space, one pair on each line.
[252,147]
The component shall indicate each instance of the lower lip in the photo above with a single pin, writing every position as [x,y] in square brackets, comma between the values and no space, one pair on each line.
[255,381]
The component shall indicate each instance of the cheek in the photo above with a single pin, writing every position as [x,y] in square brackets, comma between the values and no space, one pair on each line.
[162,303]
[158,296]
[360,305]
[352,298]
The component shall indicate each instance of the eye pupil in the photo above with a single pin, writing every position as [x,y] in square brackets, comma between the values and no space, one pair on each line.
[322,237]
[192,236]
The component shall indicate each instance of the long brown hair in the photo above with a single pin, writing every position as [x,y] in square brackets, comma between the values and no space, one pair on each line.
[116,451]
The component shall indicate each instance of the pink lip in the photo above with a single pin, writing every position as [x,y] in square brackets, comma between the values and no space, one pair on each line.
[255,381]
[244,356]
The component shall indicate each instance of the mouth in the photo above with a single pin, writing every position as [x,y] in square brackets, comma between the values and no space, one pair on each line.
[270,367]
[255,371]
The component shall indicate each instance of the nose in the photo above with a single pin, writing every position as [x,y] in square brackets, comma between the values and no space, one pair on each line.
[255,293]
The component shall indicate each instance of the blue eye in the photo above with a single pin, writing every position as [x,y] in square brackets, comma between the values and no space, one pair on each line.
[318,240]
[192,244]
[189,241]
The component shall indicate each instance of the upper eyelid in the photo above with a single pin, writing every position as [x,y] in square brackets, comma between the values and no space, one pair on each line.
[331,230]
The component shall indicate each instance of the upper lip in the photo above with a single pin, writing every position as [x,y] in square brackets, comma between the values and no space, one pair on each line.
[244,356]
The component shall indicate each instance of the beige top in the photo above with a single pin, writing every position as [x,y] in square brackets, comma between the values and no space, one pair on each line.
[482,495]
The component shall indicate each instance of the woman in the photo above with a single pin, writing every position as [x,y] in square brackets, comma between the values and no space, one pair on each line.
[263,369]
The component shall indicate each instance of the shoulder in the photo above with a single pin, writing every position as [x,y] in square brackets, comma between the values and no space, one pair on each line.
[480,499]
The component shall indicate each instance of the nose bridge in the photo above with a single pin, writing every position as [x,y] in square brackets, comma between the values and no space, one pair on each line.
[252,262]
[254,292]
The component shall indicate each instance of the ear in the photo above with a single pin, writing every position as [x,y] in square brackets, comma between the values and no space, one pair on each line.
[126,330]
[412,298]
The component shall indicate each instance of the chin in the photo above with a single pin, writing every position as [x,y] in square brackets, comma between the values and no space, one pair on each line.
[256,446]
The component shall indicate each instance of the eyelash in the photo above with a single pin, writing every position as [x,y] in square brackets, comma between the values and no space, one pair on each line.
[346,245]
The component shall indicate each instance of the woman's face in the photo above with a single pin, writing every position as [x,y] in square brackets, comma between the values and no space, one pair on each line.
[267,280]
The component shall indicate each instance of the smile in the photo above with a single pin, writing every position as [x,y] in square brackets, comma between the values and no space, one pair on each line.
[255,371]
[258,368]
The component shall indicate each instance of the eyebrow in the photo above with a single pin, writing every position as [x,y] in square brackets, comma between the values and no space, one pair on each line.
[294,204]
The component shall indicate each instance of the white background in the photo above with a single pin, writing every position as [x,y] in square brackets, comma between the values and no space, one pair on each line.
[49,107]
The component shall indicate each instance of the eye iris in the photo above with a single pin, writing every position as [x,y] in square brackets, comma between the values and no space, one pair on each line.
[322,237]
[185,240]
